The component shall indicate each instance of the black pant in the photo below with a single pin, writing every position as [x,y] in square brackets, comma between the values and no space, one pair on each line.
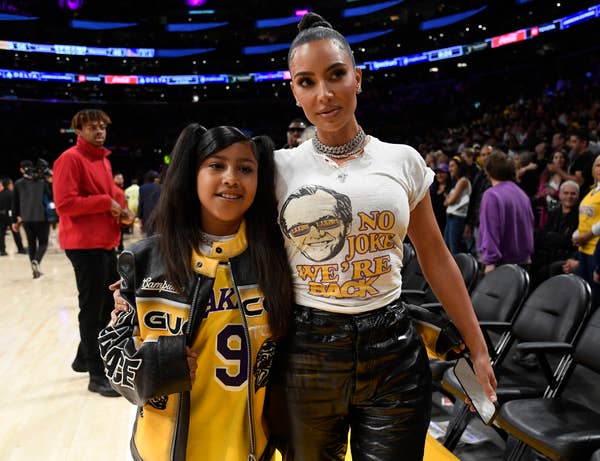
[94,271]
[16,236]
[366,372]
[37,233]
[3,226]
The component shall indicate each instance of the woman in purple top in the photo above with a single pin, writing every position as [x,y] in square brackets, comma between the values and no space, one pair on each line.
[505,218]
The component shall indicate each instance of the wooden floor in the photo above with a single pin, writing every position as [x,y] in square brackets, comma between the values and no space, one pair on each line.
[46,411]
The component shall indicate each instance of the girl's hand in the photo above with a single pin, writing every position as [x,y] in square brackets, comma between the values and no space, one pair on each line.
[120,303]
[192,358]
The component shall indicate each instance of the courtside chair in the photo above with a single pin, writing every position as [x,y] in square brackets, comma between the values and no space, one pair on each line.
[565,427]
[408,253]
[553,313]
[495,298]
[416,290]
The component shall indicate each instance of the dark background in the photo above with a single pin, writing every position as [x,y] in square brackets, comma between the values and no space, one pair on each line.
[408,104]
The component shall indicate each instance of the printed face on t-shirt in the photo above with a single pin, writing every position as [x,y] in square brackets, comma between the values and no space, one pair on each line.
[315,225]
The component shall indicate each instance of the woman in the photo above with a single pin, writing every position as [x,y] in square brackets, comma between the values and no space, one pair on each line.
[353,359]
[587,234]
[549,185]
[208,296]
[439,191]
[457,205]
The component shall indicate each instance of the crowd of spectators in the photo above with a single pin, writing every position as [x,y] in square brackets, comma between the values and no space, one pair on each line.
[550,143]
[548,129]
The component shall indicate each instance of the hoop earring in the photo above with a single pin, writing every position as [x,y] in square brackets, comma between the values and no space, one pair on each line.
[298,103]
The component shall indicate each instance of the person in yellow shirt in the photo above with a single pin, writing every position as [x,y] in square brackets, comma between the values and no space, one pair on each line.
[132,194]
[587,234]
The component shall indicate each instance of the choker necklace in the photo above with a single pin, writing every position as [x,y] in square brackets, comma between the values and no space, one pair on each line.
[352,147]
[207,239]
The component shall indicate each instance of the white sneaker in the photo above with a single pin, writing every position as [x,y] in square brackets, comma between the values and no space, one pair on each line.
[35,268]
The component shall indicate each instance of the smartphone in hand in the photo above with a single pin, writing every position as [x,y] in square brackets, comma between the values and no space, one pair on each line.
[474,391]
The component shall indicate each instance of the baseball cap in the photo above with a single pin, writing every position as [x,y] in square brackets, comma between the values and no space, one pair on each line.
[296,125]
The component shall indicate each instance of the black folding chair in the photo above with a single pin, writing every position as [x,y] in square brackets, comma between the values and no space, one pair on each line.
[416,290]
[553,313]
[495,298]
[566,426]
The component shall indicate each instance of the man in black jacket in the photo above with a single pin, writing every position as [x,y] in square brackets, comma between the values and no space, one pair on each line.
[29,210]
[6,217]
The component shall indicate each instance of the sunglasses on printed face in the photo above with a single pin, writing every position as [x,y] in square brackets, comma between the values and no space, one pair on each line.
[321,224]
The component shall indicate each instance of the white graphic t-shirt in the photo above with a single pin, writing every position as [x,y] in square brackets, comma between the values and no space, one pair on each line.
[344,225]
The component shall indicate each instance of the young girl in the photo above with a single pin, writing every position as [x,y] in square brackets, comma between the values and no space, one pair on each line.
[208,296]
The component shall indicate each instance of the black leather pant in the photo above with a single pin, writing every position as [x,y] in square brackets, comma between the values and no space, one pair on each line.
[368,373]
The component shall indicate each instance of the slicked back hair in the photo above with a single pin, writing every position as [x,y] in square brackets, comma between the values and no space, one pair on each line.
[312,28]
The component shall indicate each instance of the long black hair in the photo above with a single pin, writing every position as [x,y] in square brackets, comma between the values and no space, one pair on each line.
[313,27]
[178,217]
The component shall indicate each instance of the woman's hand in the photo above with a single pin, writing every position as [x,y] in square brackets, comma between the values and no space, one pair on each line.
[581,239]
[570,266]
[192,359]
[485,375]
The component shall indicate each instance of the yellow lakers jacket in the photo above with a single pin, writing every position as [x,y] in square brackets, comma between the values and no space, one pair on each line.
[222,318]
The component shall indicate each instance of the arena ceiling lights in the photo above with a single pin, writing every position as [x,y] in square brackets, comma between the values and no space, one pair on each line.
[593,12]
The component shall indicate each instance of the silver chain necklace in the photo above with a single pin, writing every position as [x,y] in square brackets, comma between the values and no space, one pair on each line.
[352,147]
[206,239]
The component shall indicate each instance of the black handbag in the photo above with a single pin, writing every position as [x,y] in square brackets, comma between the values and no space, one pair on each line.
[439,335]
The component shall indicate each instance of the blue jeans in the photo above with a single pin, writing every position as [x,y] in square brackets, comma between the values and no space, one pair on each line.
[586,272]
[453,233]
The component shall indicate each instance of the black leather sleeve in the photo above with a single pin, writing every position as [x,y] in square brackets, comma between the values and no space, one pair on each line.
[140,370]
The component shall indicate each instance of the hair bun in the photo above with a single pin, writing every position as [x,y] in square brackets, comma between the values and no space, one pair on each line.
[311,20]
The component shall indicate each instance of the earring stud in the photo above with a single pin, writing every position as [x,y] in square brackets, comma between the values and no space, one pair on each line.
[298,103]
[358,89]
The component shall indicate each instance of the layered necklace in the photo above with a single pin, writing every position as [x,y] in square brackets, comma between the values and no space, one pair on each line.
[350,149]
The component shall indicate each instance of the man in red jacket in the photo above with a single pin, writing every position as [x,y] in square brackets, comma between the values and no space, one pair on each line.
[89,232]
